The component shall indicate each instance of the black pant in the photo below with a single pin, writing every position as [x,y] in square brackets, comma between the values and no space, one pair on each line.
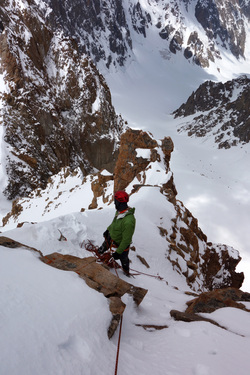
[125,260]
[123,256]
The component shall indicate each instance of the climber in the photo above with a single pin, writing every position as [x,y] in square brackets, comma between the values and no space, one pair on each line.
[119,233]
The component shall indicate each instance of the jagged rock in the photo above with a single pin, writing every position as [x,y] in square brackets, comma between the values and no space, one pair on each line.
[99,29]
[94,22]
[131,166]
[57,108]
[227,116]
[187,317]
[218,265]
[113,325]
[210,301]
[98,187]
[96,276]
[204,265]
[143,261]
[116,307]
[8,242]
[102,280]
[216,299]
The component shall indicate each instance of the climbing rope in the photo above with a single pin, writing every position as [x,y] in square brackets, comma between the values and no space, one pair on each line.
[147,274]
[105,258]
[118,347]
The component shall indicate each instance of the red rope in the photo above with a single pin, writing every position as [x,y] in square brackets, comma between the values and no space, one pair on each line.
[147,274]
[118,347]
[120,332]
[109,260]
[105,258]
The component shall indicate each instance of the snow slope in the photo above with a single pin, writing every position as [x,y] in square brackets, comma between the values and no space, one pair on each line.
[52,323]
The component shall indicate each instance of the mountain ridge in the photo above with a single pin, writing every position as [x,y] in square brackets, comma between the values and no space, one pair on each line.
[219,110]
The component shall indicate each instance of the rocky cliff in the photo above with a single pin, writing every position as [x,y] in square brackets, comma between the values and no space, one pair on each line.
[198,30]
[56,106]
[219,110]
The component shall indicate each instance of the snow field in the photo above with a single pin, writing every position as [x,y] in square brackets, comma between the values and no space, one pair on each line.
[52,323]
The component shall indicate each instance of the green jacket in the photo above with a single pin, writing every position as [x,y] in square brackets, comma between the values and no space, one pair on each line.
[122,229]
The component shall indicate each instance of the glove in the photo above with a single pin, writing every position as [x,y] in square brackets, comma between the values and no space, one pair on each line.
[116,256]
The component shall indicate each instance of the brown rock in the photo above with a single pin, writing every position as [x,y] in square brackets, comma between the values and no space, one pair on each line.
[95,275]
[187,317]
[129,165]
[211,301]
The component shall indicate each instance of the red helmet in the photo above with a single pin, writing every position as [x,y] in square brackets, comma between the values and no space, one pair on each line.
[121,196]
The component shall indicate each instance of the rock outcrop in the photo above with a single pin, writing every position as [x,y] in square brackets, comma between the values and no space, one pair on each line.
[139,152]
[204,265]
[209,302]
[96,276]
[57,108]
[218,298]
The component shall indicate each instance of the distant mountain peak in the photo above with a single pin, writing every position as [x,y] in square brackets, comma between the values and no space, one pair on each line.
[219,110]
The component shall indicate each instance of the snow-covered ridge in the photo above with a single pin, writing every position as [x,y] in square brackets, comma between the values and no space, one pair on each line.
[220,111]
[201,32]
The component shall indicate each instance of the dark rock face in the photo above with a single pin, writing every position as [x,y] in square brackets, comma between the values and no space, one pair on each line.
[104,28]
[227,110]
[92,22]
[218,20]
[57,108]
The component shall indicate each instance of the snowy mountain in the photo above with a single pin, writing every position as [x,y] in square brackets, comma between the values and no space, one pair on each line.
[200,31]
[220,110]
[65,149]
[56,106]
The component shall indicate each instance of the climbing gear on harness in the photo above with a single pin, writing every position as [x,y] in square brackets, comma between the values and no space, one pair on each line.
[105,258]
